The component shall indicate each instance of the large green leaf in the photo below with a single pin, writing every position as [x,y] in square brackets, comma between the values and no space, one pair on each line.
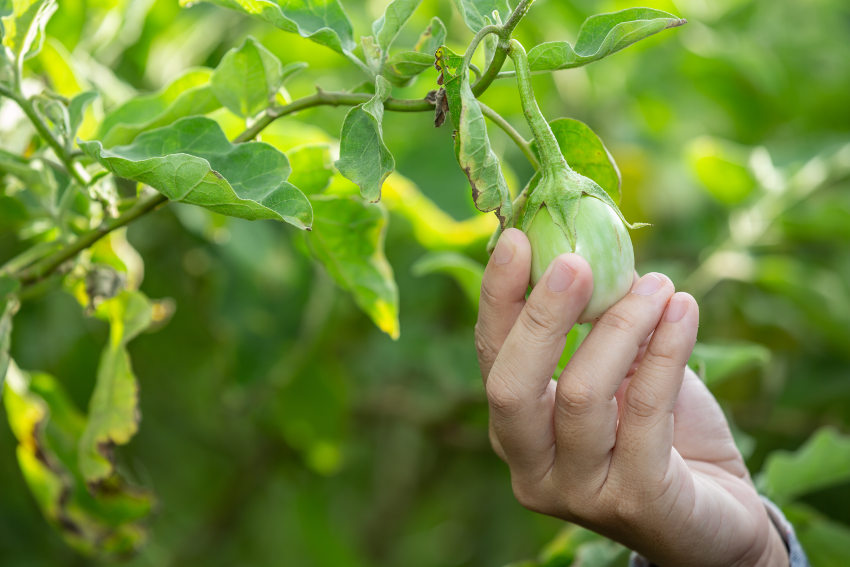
[716,363]
[247,78]
[363,156]
[825,541]
[23,27]
[312,167]
[190,94]
[478,160]
[322,21]
[8,307]
[586,153]
[192,161]
[600,36]
[348,238]
[823,461]
[386,28]
[114,405]
[478,13]
[48,428]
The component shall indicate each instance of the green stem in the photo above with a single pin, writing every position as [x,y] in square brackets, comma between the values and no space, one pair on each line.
[473,45]
[517,138]
[48,265]
[501,54]
[547,145]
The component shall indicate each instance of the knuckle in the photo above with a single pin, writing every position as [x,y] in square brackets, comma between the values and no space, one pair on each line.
[503,399]
[483,345]
[662,358]
[529,496]
[488,297]
[577,398]
[537,321]
[641,401]
[618,320]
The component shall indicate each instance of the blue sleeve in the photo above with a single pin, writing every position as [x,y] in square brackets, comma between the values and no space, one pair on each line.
[796,555]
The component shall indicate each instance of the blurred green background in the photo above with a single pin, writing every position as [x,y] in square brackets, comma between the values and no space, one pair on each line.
[280,427]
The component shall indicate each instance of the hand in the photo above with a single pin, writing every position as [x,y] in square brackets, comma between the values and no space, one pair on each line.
[628,441]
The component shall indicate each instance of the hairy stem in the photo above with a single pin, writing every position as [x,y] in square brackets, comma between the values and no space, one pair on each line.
[517,138]
[547,145]
[501,54]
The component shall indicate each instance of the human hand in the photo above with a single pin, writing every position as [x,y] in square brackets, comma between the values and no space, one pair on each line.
[628,441]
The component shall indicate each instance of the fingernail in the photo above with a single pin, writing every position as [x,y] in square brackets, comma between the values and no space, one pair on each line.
[676,309]
[504,250]
[560,277]
[648,284]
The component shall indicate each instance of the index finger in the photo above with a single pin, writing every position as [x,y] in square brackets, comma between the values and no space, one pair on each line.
[502,295]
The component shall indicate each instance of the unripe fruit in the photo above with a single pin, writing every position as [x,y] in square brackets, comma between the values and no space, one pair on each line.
[601,238]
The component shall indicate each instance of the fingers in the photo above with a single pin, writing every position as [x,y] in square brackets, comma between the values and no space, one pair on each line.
[645,433]
[502,295]
[520,386]
[585,407]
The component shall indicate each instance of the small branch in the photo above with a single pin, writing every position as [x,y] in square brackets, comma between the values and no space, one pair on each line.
[501,54]
[51,263]
[512,133]
[473,45]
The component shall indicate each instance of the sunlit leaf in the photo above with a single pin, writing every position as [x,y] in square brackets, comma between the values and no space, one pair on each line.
[716,363]
[386,28]
[348,238]
[463,269]
[586,153]
[8,307]
[193,162]
[77,109]
[600,36]
[23,27]
[190,94]
[48,428]
[402,67]
[823,461]
[247,78]
[721,167]
[477,13]
[322,21]
[432,38]
[312,167]
[114,405]
[363,156]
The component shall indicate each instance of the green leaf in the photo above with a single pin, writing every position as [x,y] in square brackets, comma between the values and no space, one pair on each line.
[8,308]
[192,161]
[77,109]
[113,408]
[348,238]
[312,167]
[190,94]
[478,13]
[48,428]
[363,156]
[716,363]
[432,38]
[478,160]
[322,21]
[586,153]
[386,28]
[463,269]
[402,67]
[600,36]
[23,28]
[247,78]
[823,461]
[826,542]
[721,168]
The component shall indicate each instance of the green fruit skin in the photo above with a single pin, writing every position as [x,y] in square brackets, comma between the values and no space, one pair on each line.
[601,238]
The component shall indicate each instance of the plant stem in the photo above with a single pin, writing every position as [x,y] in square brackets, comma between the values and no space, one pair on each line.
[501,54]
[473,45]
[547,145]
[521,142]
[45,267]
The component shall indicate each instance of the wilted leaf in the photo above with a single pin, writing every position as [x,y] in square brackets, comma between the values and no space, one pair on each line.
[189,94]
[363,156]
[48,428]
[23,27]
[463,269]
[600,36]
[718,362]
[113,408]
[247,78]
[477,159]
[348,238]
[192,161]
[586,153]
[386,28]
[322,21]
[823,461]
[477,13]
[312,167]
